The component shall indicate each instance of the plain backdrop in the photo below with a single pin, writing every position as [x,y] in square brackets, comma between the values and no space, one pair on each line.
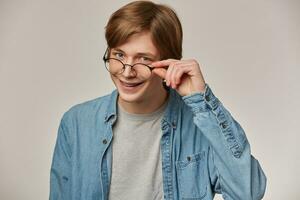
[50,60]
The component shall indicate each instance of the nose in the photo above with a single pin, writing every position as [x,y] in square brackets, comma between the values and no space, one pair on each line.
[128,71]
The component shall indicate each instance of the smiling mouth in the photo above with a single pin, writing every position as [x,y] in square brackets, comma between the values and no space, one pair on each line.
[130,84]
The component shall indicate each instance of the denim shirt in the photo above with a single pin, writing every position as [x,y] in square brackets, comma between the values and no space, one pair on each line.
[204,151]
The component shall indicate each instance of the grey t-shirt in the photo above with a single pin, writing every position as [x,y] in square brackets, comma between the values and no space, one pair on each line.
[136,156]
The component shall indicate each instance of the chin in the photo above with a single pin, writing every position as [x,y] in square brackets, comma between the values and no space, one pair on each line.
[130,98]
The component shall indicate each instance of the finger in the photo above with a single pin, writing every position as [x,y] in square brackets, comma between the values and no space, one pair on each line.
[168,75]
[161,72]
[177,67]
[179,73]
[163,63]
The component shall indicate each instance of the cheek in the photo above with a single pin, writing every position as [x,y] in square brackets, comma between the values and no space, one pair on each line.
[155,81]
[114,79]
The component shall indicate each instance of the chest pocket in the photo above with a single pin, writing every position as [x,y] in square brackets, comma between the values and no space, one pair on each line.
[191,176]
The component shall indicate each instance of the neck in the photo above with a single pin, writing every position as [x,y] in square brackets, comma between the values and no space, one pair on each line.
[148,105]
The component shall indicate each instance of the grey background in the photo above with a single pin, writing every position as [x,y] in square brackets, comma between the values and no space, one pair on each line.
[50,59]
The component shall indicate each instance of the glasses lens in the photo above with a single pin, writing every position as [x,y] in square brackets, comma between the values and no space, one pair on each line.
[142,71]
[114,66]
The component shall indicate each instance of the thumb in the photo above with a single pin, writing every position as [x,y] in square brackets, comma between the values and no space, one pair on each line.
[161,72]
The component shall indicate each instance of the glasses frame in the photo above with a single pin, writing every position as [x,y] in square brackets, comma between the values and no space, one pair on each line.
[106,58]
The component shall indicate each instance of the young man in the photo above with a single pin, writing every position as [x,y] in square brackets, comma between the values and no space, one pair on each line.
[162,134]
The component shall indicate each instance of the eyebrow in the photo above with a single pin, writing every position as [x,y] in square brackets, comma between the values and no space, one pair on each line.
[138,54]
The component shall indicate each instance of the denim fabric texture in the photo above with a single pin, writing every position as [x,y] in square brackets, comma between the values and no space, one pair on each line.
[204,151]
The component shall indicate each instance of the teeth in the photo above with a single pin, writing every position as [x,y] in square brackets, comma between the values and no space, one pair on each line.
[130,85]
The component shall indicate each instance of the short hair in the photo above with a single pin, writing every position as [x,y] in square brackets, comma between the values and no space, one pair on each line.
[138,16]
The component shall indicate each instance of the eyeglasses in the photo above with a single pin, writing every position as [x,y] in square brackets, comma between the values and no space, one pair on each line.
[117,67]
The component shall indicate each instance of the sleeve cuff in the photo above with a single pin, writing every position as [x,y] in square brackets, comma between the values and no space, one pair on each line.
[202,102]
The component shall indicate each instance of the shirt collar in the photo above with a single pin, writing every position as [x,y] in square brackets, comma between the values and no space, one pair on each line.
[111,110]
[170,116]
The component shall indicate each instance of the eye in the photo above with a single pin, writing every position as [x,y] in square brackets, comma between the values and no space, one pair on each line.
[118,55]
[146,59]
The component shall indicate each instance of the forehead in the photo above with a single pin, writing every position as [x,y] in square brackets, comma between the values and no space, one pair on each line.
[139,43]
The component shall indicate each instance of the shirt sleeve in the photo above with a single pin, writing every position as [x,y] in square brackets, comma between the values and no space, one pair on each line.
[233,171]
[60,173]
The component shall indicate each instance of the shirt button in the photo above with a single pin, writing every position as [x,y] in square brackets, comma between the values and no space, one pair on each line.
[223,125]
[173,124]
[207,98]
[189,158]
[104,141]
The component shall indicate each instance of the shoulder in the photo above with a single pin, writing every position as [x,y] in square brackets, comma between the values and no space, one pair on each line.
[88,108]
